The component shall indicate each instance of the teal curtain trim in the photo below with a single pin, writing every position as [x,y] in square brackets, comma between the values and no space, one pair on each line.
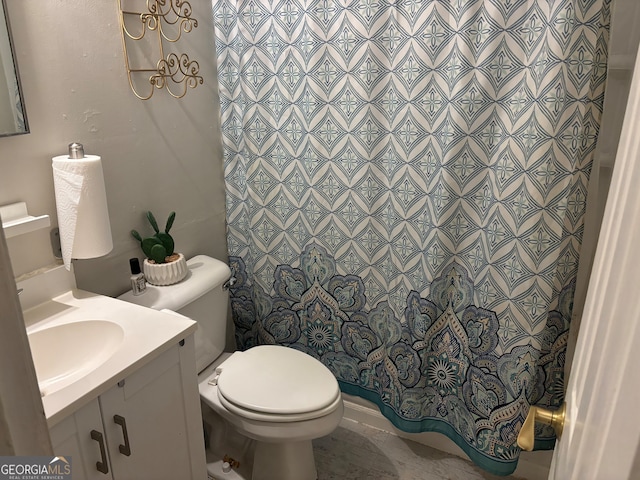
[490,464]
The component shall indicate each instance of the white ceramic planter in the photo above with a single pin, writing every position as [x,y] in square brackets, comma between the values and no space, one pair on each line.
[165,273]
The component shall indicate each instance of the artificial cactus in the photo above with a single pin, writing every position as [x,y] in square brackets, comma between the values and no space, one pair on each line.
[160,246]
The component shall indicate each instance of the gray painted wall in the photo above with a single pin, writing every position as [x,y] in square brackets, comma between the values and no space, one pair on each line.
[161,155]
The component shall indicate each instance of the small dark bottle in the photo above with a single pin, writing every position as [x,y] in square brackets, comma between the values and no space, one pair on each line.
[138,282]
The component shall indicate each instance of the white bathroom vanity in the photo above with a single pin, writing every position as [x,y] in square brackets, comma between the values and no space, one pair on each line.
[118,384]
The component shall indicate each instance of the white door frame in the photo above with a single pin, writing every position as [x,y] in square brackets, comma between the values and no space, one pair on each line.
[23,426]
[602,430]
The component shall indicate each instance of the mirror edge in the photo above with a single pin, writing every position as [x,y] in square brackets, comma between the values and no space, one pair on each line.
[17,75]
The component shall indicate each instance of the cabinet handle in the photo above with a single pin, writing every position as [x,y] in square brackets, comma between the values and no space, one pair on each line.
[126,448]
[101,466]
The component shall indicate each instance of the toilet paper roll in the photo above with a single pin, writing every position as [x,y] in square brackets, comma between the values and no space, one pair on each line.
[81,201]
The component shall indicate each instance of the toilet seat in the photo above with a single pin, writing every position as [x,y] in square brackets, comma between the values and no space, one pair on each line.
[276,383]
[279,418]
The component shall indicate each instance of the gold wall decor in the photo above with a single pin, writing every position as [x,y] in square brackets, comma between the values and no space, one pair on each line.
[167,20]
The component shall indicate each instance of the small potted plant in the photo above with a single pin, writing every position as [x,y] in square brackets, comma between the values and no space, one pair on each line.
[162,266]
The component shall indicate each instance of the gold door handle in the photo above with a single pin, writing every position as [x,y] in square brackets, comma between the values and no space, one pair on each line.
[555,418]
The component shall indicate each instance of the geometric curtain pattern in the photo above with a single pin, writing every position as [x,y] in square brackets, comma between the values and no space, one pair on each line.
[406,186]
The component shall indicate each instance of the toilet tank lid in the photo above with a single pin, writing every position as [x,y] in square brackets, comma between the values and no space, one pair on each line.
[204,274]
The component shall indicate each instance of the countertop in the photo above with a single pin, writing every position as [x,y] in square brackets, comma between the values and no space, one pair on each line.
[147,333]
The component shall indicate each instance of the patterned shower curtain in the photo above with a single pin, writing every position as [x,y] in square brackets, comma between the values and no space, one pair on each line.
[406,185]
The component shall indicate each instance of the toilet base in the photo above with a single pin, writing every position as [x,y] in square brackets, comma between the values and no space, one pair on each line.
[217,470]
[253,459]
[271,461]
[284,461]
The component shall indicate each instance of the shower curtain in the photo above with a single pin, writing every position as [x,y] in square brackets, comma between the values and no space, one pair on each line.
[406,184]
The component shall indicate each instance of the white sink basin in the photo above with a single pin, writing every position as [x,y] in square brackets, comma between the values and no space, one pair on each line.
[83,343]
[62,354]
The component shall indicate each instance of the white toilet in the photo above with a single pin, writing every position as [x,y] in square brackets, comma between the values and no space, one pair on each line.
[274,400]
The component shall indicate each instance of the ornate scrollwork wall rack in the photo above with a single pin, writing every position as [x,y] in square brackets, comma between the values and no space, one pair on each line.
[168,20]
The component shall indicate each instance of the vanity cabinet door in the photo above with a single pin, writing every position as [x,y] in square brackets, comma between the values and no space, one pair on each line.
[81,437]
[152,420]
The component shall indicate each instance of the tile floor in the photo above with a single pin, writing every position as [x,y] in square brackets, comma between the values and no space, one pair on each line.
[358,452]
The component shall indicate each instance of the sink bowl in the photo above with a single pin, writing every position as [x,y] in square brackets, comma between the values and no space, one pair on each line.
[62,354]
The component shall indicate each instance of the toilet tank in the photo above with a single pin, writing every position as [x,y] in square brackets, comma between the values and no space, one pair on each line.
[199,296]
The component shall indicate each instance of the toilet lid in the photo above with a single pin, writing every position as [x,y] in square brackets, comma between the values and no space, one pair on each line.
[278,380]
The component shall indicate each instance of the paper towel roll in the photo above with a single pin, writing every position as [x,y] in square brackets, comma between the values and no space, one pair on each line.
[81,200]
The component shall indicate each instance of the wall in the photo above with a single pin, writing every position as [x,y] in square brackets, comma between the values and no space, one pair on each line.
[161,155]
